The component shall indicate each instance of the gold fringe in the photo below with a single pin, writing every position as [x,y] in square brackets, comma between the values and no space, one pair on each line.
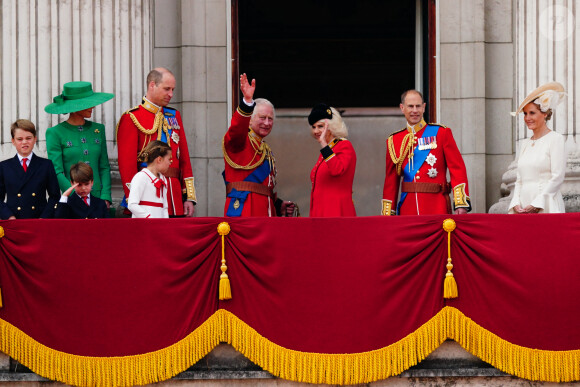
[355,368]
[110,371]
[307,367]
[523,362]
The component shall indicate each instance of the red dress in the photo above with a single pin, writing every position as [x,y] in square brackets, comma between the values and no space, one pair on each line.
[332,178]
[241,151]
[132,138]
[444,156]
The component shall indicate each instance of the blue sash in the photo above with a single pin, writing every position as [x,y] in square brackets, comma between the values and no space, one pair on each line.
[419,157]
[171,113]
[257,176]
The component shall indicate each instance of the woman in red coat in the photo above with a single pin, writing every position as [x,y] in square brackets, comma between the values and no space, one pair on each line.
[333,173]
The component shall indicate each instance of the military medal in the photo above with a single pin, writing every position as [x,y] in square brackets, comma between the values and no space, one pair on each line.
[429,142]
[173,123]
[432,172]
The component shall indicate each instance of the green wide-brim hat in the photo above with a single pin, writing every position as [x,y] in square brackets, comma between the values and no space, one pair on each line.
[76,96]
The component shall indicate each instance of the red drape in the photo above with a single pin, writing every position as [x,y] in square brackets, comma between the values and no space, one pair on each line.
[117,287]
[108,287]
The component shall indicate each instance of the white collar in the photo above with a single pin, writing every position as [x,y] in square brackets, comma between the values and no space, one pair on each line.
[29,157]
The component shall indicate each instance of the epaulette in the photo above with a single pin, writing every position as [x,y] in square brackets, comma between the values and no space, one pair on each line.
[398,131]
[132,109]
[127,112]
[436,124]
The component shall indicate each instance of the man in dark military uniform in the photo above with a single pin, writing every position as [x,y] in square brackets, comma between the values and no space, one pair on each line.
[421,154]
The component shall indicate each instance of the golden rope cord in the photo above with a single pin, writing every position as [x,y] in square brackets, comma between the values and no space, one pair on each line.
[159,120]
[263,149]
[406,146]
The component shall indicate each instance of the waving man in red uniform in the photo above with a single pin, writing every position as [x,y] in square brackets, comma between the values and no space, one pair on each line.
[250,167]
[420,154]
[154,120]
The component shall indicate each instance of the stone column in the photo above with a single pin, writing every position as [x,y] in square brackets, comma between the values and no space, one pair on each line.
[48,43]
[462,86]
[547,49]
[191,39]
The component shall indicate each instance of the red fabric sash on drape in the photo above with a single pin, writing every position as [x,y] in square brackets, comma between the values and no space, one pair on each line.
[125,287]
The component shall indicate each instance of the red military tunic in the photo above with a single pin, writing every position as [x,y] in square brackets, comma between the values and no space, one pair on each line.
[433,171]
[239,148]
[332,178]
[143,124]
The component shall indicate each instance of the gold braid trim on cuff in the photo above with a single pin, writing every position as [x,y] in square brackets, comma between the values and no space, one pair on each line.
[306,367]
[460,198]
[387,208]
[407,146]
[190,189]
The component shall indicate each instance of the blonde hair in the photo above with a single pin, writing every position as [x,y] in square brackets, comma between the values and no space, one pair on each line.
[336,125]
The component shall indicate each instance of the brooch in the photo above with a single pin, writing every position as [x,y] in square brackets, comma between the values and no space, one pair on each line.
[432,172]
[83,140]
[175,137]
[97,131]
[431,159]
[69,144]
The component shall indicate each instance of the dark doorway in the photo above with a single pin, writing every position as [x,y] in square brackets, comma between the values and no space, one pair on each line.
[347,54]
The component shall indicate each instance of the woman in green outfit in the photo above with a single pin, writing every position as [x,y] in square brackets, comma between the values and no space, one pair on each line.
[78,139]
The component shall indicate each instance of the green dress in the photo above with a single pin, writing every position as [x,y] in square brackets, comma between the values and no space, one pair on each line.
[68,144]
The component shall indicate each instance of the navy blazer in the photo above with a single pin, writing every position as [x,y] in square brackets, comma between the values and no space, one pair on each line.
[25,192]
[75,208]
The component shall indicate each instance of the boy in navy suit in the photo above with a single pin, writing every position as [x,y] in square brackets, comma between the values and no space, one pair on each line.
[81,204]
[26,179]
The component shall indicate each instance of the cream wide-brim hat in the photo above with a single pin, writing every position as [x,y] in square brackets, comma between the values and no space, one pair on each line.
[553,86]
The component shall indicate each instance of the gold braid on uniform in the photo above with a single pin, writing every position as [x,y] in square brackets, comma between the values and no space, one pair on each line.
[262,149]
[407,149]
[158,123]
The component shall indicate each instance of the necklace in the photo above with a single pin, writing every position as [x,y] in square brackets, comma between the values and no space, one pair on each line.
[533,140]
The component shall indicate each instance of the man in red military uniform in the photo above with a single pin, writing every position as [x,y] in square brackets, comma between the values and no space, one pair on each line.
[420,154]
[154,120]
[250,167]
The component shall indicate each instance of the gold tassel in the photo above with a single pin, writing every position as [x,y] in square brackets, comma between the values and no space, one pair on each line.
[449,285]
[225,292]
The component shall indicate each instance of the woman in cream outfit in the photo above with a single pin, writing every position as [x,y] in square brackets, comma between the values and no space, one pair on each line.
[541,164]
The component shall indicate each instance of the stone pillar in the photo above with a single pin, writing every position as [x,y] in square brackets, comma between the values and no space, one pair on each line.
[191,39]
[462,86]
[547,41]
[48,43]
